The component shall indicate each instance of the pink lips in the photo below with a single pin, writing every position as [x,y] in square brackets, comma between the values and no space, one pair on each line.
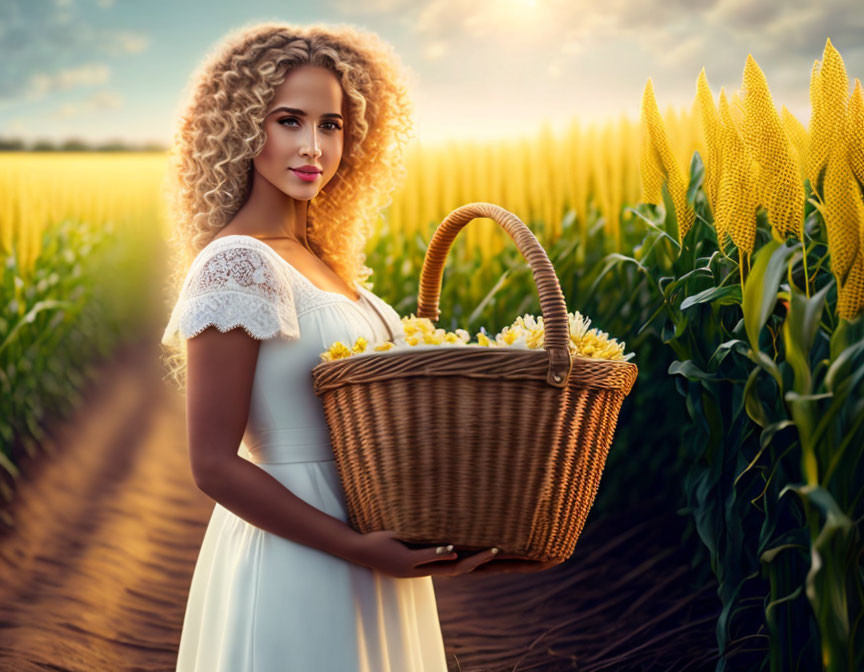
[306,177]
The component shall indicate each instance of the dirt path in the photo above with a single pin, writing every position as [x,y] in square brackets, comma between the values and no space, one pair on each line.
[95,575]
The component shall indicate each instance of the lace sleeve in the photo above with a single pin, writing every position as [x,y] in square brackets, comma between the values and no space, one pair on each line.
[234,287]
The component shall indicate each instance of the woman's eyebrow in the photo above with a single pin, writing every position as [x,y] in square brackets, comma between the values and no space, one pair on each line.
[301,113]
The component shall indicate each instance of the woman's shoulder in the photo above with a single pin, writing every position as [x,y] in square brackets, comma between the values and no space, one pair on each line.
[233,241]
[236,260]
[232,282]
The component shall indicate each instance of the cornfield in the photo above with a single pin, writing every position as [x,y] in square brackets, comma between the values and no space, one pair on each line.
[724,242]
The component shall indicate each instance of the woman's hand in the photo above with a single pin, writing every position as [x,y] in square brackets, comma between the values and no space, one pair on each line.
[381,550]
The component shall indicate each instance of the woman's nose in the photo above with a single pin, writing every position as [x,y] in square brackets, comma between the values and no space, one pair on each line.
[312,147]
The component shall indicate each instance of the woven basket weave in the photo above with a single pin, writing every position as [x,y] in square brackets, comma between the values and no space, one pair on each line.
[472,445]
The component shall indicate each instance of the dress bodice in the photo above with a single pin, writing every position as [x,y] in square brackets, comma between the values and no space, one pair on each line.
[238,280]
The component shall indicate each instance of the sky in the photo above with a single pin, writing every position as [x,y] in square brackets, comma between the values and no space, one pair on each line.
[101,70]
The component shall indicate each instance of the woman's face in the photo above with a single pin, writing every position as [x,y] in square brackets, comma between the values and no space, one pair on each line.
[307,134]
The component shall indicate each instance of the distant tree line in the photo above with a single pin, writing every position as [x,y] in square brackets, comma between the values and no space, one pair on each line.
[77,145]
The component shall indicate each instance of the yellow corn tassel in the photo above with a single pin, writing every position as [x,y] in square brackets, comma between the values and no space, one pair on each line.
[581,185]
[850,297]
[606,165]
[657,158]
[616,178]
[712,131]
[778,185]
[854,136]
[843,212]
[797,134]
[829,90]
[736,109]
[632,179]
[599,153]
[736,199]
[651,168]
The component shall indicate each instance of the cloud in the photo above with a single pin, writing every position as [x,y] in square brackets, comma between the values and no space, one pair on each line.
[684,51]
[370,6]
[671,30]
[435,50]
[746,14]
[43,83]
[43,41]
[100,100]
[127,42]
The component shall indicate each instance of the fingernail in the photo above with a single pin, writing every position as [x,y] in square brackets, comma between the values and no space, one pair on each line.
[494,551]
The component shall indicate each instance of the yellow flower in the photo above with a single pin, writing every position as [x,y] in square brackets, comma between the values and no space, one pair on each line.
[526,332]
[598,344]
[535,338]
[483,339]
[414,325]
[463,335]
[529,322]
[512,336]
[336,351]
[578,325]
[433,337]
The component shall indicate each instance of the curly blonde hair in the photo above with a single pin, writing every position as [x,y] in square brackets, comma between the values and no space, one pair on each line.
[220,130]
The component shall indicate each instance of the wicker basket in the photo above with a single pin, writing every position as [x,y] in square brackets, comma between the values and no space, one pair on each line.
[472,445]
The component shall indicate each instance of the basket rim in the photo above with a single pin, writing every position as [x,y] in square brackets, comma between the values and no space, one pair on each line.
[468,361]
[476,346]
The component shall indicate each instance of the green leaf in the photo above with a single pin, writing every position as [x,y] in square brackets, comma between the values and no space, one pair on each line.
[670,221]
[839,451]
[799,330]
[760,288]
[846,334]
[728,295]
[833,573]
[9,465]
[752,401]
[40,306]
[696,272]
[769,555]
[690,371]
[501,282]
[839,368]
[723,350]
[655,227]
[697,172]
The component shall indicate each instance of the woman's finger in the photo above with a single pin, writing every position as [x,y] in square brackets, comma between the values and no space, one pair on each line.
[477,559]
[435,553]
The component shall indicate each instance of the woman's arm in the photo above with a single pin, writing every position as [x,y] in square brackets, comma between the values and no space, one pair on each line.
[221,368]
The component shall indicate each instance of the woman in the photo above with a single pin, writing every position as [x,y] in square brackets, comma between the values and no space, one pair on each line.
[282,582]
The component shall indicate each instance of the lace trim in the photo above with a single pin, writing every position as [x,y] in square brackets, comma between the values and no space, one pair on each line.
[231,287]
[306,295]
[231,270]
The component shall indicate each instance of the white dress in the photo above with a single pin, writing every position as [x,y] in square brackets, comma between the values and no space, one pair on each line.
[259,602]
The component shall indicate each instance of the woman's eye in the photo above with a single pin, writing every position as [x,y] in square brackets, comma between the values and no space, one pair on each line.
[332,125]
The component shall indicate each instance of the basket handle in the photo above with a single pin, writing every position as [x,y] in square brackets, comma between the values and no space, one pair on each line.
[556,323]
